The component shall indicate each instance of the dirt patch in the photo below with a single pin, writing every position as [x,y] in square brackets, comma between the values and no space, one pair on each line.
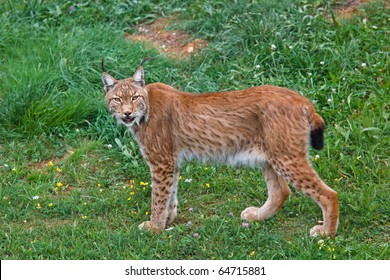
[175,43]
[349,9]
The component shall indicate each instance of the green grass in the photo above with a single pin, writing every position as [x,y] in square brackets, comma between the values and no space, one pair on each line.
[54,128]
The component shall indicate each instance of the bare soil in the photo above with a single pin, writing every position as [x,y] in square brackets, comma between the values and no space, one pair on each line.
[175,43]
[349,9]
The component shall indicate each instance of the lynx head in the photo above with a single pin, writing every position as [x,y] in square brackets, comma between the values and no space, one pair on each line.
[127,99]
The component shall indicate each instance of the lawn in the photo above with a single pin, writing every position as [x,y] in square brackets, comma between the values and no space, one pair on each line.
[73,184]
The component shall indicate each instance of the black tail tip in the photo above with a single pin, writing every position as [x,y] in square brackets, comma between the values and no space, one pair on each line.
[317,138]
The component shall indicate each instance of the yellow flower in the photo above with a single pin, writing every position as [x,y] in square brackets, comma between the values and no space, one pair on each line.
[147,213]
[59,170]
[131,193]
[50,163]
[208,185]
[252,253]
[98,185]
[50,204]
[84,217]
[143,183]
[129,198]
[38,206]
[59,184]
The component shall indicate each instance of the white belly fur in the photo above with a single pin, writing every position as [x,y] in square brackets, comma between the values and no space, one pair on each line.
[242,158]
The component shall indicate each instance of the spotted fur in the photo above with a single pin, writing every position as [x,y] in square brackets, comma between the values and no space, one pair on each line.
[268,127]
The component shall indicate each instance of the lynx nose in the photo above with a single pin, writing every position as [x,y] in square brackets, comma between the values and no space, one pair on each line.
[127,114]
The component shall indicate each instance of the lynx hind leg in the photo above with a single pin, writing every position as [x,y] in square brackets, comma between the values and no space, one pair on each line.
[278,191]
[300,173]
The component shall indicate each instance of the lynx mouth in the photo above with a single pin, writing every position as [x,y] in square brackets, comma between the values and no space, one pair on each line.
[128,120]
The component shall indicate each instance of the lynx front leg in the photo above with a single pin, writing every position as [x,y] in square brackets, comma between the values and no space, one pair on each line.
[278,191]
[163,177]
[173,202]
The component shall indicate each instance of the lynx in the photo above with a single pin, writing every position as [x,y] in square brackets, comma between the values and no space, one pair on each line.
[267,127]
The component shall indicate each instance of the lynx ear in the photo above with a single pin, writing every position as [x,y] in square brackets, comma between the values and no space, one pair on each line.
[108,82]
[138,77]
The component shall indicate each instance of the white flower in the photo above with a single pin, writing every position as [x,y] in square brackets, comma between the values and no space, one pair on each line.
[273,47]
[322,62]
[35,197]
[333,90]
[188,180]
[364,64]
[364,21]
[109,146]
[290,47]
[374,27]
[329,100]
[257,66]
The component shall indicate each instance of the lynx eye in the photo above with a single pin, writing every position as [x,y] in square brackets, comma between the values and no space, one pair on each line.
[135,97]
[117,99]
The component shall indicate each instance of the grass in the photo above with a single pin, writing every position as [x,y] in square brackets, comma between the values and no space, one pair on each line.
[74,186]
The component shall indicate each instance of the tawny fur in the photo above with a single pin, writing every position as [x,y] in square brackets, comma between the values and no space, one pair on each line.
[266,126]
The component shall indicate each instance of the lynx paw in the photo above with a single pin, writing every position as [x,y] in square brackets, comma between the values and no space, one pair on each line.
[149,226]
[317,230]
[250,214]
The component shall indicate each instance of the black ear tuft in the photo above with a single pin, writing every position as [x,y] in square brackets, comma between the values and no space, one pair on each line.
[103,65]
[144,60]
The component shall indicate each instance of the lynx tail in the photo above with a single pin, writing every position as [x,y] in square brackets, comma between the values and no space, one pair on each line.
[317,131]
